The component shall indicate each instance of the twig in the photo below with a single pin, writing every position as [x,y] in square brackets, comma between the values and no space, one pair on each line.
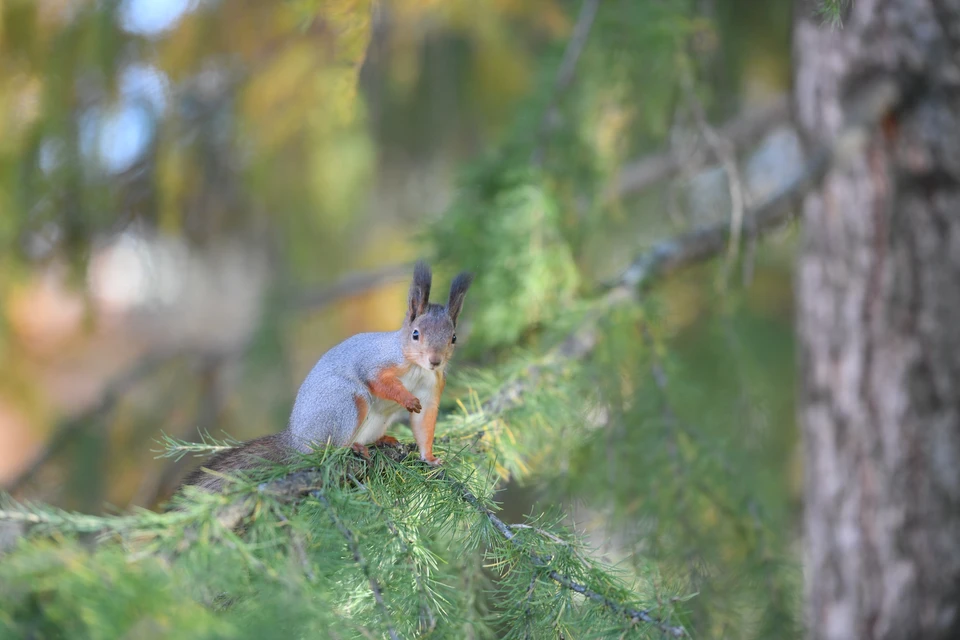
[724,151]
[358,558]
[427,621]
[297,545]
[550,536]
[505,530]
[743,131]
[669,256]
[177,449]
[527,613]
[565,74]
[352,284]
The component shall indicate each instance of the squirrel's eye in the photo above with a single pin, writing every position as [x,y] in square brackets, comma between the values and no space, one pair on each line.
[454,340]
[416,334]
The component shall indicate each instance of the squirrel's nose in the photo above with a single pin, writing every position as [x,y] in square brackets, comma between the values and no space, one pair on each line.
[435,361]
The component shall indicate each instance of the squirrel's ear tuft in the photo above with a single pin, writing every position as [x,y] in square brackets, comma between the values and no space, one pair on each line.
[419,290]
[458,290]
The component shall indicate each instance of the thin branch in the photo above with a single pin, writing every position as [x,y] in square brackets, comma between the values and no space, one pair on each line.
[670,256]
[427,621]
[297,545]
[358,558]
[506,530]
[743,131]
[550,536]
[208,445]
[565,74]
[527,611]
[352,284]
[724,150]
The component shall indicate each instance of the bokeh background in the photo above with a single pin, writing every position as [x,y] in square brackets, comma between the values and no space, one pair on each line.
[198,197]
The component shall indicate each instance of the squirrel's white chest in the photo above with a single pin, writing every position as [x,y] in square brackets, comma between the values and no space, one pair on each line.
[382,413]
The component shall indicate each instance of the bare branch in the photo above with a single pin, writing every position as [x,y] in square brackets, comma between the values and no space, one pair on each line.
[724,150]
[743,131]
[353,284]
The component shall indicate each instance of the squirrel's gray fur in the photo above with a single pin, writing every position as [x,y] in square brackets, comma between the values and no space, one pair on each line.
[362,385]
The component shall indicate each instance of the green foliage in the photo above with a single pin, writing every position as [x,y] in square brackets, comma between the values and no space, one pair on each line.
[60,590]
[315,559]
[832,11]
[505,226]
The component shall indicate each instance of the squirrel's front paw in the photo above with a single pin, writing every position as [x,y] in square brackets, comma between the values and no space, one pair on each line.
[413,404]
[433,462]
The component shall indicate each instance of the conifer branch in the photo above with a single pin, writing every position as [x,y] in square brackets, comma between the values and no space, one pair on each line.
[704,243]
[505,530]
[427,621]
[177,449]
[358,558]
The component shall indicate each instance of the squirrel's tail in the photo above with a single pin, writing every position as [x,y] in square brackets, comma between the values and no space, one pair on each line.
[248,455]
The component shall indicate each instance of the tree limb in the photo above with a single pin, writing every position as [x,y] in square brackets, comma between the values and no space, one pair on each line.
[358,558]
[506,530]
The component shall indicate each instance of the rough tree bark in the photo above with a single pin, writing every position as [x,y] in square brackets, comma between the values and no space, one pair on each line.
[878,290]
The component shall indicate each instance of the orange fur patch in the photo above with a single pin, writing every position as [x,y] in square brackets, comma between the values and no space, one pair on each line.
[426,426]
[387,385]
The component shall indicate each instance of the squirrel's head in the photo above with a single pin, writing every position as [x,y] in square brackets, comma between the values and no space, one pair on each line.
[429,329]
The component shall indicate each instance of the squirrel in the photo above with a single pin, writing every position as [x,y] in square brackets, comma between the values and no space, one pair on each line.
[360,386]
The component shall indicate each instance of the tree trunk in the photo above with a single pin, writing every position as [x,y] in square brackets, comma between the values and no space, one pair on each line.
[878,287]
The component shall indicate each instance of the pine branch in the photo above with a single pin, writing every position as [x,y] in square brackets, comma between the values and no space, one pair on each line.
[427,621]
[237,507]
[673,255]
[358,558]
[177,449]
[506,530]
[350,285]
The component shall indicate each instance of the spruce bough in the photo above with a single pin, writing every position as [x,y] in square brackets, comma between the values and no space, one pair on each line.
[387,546]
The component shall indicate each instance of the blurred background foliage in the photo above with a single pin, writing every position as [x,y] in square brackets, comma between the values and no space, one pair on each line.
[181,180]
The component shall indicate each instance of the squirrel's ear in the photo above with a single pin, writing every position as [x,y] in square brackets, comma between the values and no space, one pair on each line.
[419,290]
[458,290]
